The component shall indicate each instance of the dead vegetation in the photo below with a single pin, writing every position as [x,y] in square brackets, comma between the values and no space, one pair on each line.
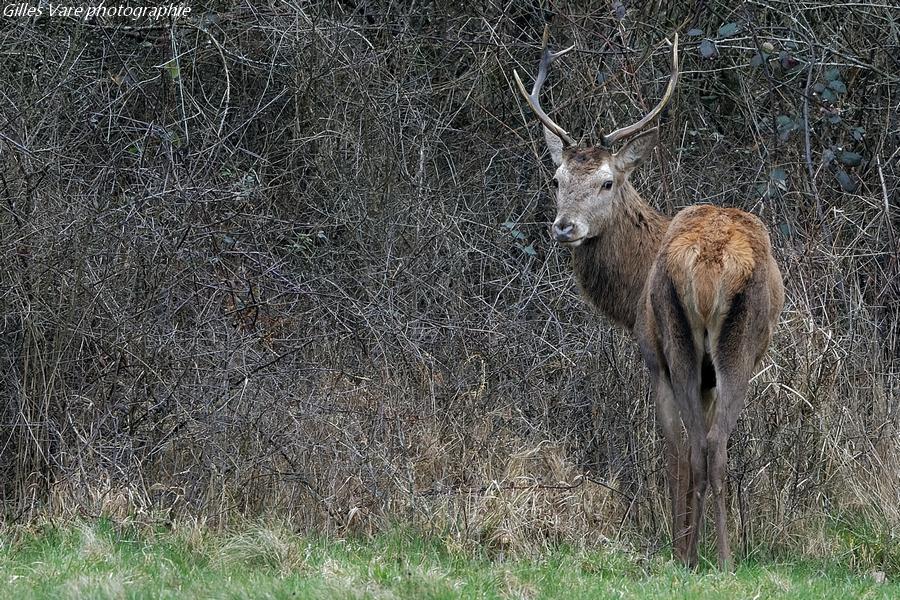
[293,260]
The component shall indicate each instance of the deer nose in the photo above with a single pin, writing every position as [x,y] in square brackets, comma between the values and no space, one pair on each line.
[562,231]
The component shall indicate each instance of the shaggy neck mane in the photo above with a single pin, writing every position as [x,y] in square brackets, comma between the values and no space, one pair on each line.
[612,267]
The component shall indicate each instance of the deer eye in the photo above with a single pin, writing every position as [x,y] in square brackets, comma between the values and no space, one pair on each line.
[554,183]
[607,185]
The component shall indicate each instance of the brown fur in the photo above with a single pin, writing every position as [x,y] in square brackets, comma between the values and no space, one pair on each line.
[612,267]
[584,160]
[710,253]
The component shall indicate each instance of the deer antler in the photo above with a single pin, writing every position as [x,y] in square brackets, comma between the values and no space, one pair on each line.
[624,132]
[547,58]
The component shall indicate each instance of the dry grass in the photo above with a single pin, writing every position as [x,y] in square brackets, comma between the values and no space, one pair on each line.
[262,546]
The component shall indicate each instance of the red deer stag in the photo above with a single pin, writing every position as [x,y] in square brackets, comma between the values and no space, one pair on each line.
[700,291]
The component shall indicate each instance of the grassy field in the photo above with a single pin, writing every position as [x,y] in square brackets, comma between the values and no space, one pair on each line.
[101,560]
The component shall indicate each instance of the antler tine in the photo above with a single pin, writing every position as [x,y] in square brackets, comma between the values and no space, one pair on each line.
[547,58]
[624,132]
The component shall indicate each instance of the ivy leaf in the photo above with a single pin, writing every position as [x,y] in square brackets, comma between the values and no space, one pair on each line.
[171,67]
[832,74]
[529,250]
[708,49]
[728,29]
[174,138]
[785,125]
[778,180]
[828,96]
[838,86]
[787,60]
[695,32]
[847,183]
[851,159]
[784,229]
[828,156]
[757,60]
[857,133]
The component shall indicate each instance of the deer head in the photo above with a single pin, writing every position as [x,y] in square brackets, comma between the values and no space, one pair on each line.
[589,180]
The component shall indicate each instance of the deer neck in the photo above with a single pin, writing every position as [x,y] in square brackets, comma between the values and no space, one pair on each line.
[612,267]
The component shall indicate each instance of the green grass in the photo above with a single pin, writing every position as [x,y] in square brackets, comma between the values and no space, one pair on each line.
[102,560]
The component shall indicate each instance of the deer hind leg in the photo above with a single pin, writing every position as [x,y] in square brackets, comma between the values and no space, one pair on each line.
[686,390]
[697,491]
[677,466]
[737,348]
[732,391]
[685,497]
[683,353]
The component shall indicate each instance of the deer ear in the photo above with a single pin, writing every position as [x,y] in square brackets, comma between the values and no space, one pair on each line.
[637,150]
[555,144]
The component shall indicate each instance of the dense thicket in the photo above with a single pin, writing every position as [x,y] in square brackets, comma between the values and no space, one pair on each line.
[293,258]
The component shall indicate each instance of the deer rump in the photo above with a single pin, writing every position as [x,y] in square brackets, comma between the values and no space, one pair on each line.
[707,288]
